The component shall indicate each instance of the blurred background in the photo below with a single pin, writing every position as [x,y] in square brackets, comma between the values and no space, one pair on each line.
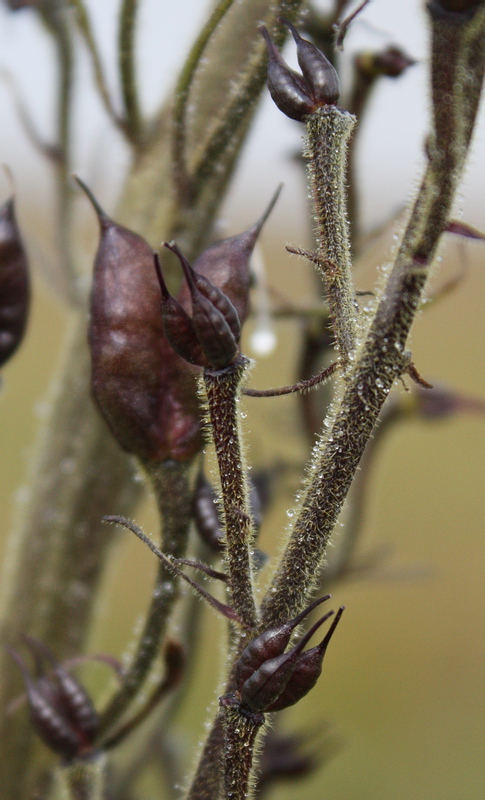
[403,689]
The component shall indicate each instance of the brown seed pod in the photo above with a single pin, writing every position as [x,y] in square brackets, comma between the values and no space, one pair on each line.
[227,264]
[288,90]
[298,96]
[57,716]
[145,391]
[307,671]
[214,318]
[270,643]
[319,74]
[14,283]
[264,686]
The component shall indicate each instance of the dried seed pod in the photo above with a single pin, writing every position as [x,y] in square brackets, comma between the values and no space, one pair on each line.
[307,671]
[295,95]
[288,90]
[319,74]
[145,391]
[214,318]
[206,516]
[177,324]
[51,716]
[227,264]
[264,686]
[71,696]
[14,283]
[270,643]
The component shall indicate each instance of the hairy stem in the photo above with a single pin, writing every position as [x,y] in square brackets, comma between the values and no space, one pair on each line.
[328,131]
[179,114]
[222,388]
[172,487]
[382,357]
[240,732]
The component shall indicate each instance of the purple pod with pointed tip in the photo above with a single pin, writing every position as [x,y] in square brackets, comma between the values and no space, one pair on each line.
[47,717]
[227,264]
[146,392]
[14,284]
[307,671]
[214,318]
[287,89]
[269,644]
[319,74]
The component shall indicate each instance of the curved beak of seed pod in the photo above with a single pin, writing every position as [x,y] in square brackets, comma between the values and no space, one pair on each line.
[298,96]
[214,328]
[146,392]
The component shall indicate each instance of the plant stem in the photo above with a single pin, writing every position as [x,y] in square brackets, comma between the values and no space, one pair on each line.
[240,732]
[82,780]
[382,357]
[179,114]
[126,64]
[328,131]
[171,483]
[223,388]
[58,550]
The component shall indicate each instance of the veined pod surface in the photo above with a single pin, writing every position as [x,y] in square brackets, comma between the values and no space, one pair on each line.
[145,391]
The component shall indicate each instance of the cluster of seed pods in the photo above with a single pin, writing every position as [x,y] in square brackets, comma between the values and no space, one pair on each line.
[296,95]
[146,350]
[268,678]
[60,709]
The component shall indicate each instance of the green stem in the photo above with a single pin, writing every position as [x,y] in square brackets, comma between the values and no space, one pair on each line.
[179,114]
[86,31]
[82,780]
[59,548]
[172,484]
[54,19]
[126,63]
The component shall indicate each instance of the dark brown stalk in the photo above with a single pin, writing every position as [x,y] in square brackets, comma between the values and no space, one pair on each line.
[328,131]
[223,388]
[240,733]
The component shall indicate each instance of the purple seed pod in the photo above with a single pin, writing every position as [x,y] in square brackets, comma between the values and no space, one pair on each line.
[206,517]
[208,522]
[264,686]
[145,391]
[214,318]
[14,284]
[72,698]
[177,324]
[227,264]
[295,95]
[392,62]
[319,74]
[288,90]
[307,671]
[48,716]
[269,644]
